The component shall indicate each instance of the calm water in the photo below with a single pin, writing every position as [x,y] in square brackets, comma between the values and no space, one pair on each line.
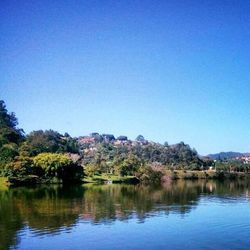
[182,215]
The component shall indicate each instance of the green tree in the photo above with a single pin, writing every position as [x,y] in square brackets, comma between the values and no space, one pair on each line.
[10,136]
[22,166]
[58,165]
[90,169]
[50,141]
[150,174]
[9,133]
[128,166]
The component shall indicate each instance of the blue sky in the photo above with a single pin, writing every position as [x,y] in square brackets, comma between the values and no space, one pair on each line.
[169,70]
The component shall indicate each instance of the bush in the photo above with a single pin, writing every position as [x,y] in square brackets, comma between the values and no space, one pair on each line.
[150,174]
[58,165]
[91,169]
[23,166]
[7,153]
[128,166]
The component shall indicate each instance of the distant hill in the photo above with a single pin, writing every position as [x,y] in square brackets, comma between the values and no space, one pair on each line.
[227,155]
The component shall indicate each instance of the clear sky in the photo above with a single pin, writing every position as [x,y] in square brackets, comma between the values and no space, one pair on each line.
[169,70]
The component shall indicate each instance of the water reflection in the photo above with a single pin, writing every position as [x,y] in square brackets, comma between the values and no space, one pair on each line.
[51,209]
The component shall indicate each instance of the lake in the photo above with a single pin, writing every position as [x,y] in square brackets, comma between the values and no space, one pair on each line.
[178,215]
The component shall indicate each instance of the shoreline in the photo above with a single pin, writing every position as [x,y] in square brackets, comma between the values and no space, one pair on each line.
[168,175]
[205,174]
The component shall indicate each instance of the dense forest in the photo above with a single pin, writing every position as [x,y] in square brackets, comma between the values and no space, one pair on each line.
[42,156]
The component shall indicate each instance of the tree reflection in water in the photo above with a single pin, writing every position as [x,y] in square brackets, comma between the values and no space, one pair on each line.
[50,209]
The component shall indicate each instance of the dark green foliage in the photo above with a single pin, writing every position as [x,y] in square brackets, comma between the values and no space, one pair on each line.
[49,141]
[8,152]
[150,174]
[129,166]
[9,133]
[226,155]
[232,166]
[10,136]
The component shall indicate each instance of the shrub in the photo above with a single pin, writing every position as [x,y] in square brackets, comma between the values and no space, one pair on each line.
[23,166]
[150,174]
[91,169]
[58,165]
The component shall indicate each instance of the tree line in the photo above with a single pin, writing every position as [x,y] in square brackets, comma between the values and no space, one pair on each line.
[48,155]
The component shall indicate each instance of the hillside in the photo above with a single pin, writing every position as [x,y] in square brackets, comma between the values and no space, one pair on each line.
[227,155]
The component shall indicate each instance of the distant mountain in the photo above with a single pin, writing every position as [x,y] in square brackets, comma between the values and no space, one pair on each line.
[227,155]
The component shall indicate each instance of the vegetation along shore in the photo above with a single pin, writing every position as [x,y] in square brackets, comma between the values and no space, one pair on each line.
[50,157]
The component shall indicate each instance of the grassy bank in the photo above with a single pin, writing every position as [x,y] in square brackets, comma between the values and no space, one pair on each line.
[103,178]
[208,174]
[167,175]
